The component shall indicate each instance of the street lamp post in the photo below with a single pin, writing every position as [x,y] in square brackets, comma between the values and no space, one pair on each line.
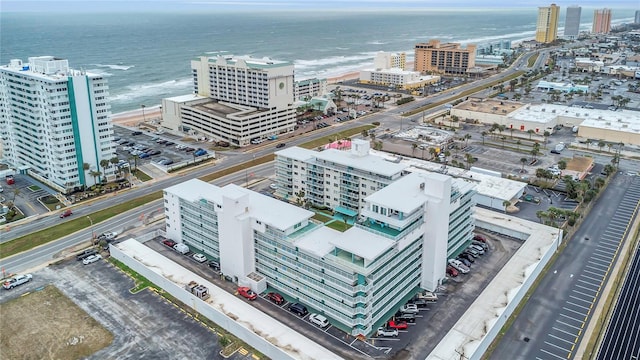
[93,234]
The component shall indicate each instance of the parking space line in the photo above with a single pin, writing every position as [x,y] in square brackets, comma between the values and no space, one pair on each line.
[590,278]
[563,331]
[557,346]
[608,258]
[564,323]
[599,262]
[586,288]
[559,338]
[577,298]
[573,311]
[607,253]
[580,306]
[595,273]
[552,354]
[598,267]
[569,317]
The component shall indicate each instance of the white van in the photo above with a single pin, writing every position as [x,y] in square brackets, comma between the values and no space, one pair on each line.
[181,248]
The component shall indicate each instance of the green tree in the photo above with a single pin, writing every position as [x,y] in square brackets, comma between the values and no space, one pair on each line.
[601,144]
[523,161]
[506,205]
[562,164]
[530,132]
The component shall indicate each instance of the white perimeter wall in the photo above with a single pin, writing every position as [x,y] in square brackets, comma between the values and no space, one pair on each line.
[249,324]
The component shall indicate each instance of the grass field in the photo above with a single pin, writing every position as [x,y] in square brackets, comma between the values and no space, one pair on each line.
[48,325]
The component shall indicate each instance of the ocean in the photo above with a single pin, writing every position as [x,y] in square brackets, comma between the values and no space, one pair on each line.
[146,56]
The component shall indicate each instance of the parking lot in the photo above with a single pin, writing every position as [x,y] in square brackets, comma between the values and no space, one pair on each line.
[144,325]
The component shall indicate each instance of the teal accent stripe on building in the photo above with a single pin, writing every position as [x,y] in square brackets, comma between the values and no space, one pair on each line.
[76,131]
[93,124]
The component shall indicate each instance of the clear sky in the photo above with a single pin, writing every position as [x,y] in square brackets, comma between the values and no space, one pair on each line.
[345,5]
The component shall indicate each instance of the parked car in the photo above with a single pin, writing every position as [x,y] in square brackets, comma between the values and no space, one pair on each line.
[85,254]
[472,252]
[481,244]
[477,248]
[428,296]
[281,145]
[479,238]
[214,265]
[199,258]
[17,281]
[451,271]
[91,259]
[399,325]
[466,262]
[169,243]
[143,155]
[458,265]
[386,332]
[409,308]
[298,309]
[247,293]
[153,152]
[169,143]
[136,133]
[200,152]
[108,236]
[319,320]
[467,256]
[405,317]
[276,298]
[66,213]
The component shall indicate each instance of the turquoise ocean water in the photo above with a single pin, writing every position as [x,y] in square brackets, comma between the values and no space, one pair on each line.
[147,55]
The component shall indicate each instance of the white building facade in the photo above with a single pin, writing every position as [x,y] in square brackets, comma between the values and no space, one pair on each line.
[310,88]
[249,99]
[54,120]
[357,278]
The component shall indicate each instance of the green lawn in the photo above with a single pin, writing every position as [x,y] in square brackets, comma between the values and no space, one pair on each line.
[532,60]
[321,218]
[141,175]
[34,188]
[339,225]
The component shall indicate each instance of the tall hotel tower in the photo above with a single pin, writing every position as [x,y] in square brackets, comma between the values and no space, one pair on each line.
[54,120]
[547,25]
[572,22]
[601,21]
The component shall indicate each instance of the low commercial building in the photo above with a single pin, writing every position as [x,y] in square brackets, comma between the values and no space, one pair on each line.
[562,87]
[397,78]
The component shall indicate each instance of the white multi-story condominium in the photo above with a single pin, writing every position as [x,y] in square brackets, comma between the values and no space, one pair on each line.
[387,60]
[601,21]
[237,99]
[357,278]
[55,122]
[310,88]
[572,22]
[343,181]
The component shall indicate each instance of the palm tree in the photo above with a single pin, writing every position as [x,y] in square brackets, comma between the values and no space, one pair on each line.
[104,164]
[466,139]
[95,174]
[470,160]
[503,138]
[530,132]
[414,146]
[546,134]
[588,142]
[609,146]
[114,161]
[523,161]
[540,214]
[85,168]
[432,152]
[518,143]
[601,144]
[483,134]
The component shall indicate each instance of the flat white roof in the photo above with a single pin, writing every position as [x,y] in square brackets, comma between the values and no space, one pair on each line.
[280,335]
[297,153]
[403,194]
[491,186]
[318,242]
[186,98]
[266,209]
[464,337]
[362,243]
[368,162]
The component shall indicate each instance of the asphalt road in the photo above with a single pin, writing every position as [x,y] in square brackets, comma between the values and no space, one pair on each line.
[551,324]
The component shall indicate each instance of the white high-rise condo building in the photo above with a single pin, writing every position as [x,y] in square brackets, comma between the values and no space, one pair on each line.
[237,99]
[358,277]
[572,22]
[55,122]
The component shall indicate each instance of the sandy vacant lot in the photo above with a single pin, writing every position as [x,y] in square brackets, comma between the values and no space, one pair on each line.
[47,325]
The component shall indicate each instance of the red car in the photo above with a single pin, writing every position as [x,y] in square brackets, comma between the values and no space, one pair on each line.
[66,213]
[479,238]
[276,298]
[451,271]
[247,293]
[169,243]
[400,325]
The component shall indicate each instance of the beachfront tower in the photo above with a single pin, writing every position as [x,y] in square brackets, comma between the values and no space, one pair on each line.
[547,25]
[601,21]
[444,58]
[237,99]
[55,122]
[572,22]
